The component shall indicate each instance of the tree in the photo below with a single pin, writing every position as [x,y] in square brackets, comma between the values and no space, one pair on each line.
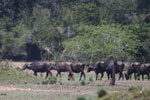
[13,8]
[142,31]
[86,14]
[143,10]
[100,42]
[44,34]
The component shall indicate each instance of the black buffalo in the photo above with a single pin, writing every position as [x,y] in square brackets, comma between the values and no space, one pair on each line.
[132,69]
[143,69]
[77,68]
[39,66]
[97,67]
[119,65]
[138,69]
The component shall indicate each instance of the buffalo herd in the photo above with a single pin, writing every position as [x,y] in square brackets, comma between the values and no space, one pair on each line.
[136,68]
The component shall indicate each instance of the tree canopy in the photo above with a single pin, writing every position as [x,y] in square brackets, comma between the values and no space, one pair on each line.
[86,30]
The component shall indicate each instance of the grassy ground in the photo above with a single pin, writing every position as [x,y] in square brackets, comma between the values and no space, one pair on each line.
[22,85]
[133,93]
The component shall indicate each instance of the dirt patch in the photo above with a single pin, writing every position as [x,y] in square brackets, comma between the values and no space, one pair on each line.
[18,64]
[3,88]
[14,64]
[82,92]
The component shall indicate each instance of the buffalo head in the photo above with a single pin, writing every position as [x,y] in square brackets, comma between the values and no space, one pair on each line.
[26,66]
[131,69]
[90,68]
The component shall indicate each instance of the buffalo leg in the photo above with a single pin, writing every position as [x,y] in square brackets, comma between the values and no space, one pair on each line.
[58,73]
[108,75]
[70,76]
[121,76]
[143,77]
[96,76]
[47,73]
[138,76]
[102,74]
[82,74]
[35,73]
[135,76]
[148,76]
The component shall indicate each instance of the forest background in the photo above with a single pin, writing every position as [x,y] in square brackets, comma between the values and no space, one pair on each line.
[75,30]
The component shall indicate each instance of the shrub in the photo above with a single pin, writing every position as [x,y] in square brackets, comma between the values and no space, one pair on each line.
[101,93]
[50,80]
[90,79]
[132,88]
[81,98]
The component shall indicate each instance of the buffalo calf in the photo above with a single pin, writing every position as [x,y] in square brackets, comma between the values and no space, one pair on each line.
[97,67]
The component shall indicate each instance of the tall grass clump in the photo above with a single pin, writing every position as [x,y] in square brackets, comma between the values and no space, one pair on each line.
[101,93]
[132,88]
[82,82]
[81,98]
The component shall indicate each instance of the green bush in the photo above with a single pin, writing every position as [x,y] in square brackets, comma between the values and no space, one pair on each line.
[101,93]
[81,98]
[50,80]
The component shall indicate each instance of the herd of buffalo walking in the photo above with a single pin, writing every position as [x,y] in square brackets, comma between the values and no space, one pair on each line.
[135,68]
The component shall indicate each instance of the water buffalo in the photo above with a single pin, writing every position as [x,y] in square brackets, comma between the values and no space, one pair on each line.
[97,67]
[77,68]
[132,69]
[63,67]
[39,66]
[119,65]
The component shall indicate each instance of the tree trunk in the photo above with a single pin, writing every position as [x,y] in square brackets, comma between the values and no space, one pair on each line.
[112,82]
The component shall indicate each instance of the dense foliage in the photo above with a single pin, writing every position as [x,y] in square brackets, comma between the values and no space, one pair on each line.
[86,30]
